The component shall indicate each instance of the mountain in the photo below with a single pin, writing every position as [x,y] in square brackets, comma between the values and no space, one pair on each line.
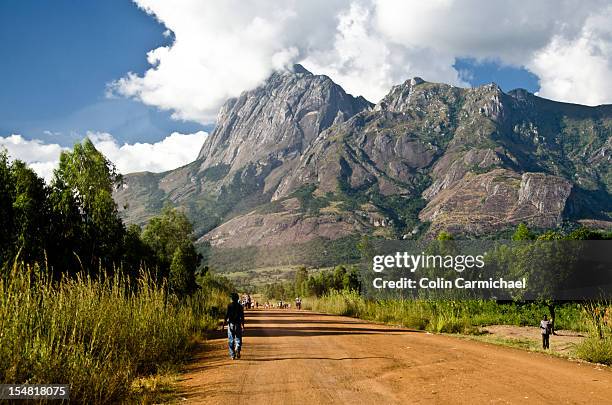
[298,160]
[258,140]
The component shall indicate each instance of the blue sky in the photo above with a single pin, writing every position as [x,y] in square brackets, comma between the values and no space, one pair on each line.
[59,57]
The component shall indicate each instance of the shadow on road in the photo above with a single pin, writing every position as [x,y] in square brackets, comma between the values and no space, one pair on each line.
[299,330]
[316,358]
[269,324]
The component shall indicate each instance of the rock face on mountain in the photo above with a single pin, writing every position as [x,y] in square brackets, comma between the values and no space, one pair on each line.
[278,120]
[298,159]
[482,203]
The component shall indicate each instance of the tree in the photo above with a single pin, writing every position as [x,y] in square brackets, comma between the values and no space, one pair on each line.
[6,210]
[444,236]
[182,269]
[337,282]
[522,233]
[351,280]
[301,280]
[31,213]
[84,181]
[137,255]
[24,213]
[169,237]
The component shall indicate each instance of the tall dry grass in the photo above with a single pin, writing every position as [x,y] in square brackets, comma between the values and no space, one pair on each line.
[597,347]
[96,335]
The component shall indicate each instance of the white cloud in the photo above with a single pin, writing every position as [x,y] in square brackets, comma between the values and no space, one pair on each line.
[41,157]
[174,151]
[506,30]
[365,62]
[578,70]
[171,152]
[221,48]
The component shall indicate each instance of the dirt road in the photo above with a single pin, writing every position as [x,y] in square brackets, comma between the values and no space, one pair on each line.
[292,357]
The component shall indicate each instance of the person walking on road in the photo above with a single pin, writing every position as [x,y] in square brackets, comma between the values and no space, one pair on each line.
[545,328]
[234,317]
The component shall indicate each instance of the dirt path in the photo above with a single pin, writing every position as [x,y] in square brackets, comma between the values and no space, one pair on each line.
[306,358]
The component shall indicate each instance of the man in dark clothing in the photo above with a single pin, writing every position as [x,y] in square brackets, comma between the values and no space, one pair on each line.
[234,317]
[545,327]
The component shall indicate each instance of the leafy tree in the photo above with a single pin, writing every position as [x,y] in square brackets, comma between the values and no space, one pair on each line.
[338,278]
[444,236]
[84,181]
[523,233]
[301,280]
[137,255]
[169,237]
[6,209]
[31,212]
[182,269]
[350,281]
[551,235]
[583,233]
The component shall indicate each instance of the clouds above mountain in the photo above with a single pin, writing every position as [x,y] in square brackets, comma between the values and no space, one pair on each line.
[171,152]
[221,48]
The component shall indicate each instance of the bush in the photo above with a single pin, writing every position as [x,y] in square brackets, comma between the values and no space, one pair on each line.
[595,350]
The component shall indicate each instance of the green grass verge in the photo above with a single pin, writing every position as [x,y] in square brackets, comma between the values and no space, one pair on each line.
[466,317]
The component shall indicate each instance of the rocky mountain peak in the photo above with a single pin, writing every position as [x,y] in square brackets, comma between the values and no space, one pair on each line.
[398,99]
[299,69]
[278,119]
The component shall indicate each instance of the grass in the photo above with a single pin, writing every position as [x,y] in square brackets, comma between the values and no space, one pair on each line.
[97,335]
[466,317]
[448,316]
[597,348]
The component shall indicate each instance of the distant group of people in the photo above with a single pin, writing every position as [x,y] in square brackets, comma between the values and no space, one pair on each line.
[248,303]
[234,318]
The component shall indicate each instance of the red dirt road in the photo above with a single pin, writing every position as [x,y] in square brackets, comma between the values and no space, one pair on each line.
[305,358]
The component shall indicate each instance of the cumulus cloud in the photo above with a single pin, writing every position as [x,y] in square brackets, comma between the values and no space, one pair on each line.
[171,152]
[365,62]
[578,70]
[41,157]
[174,151]
[221,48]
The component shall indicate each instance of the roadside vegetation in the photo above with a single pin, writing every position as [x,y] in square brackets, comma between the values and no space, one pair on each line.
[109,310]
[467,316]
[97,334]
